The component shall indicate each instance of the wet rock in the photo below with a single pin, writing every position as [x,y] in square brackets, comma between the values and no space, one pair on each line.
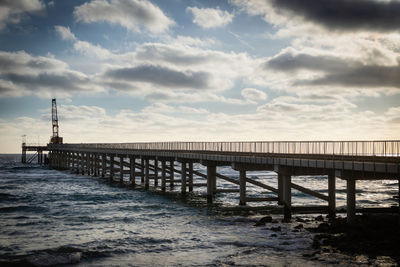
[319,218]
[276,229]
[273,235]
[298,227]
[263,221]
[298,219]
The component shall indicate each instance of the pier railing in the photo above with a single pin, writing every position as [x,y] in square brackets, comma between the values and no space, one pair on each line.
[389,148]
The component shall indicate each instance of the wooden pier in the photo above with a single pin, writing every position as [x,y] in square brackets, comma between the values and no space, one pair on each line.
[154,164]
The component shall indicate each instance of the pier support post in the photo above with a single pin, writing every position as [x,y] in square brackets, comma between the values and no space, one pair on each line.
[23,156]
[121,169]
[211,181]
[332,195]
[171,173]
[242,184]
[143,171]
[82,163]
[351,200]
[287,197]
[190,176]
[103,165]
[280,189]
[96,164]
[88,163]
[163,174]
[91,157]
[132,171]
[183,178]
[155,173]
[147,176]
[111,167]
[72,162]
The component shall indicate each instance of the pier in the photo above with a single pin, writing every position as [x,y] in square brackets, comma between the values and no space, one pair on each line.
[155,164]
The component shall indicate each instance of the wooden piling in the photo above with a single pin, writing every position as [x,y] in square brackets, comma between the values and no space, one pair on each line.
[147,178]
[171,173]
[287,196]
[111,167]
[132,171]
[155,173]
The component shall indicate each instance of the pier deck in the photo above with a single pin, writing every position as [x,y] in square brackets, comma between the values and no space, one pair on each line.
[348,160]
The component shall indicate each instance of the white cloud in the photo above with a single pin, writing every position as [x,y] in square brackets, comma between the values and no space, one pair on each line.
[210,17]
[13,11]
[130,14]
[65,33]
[253,95]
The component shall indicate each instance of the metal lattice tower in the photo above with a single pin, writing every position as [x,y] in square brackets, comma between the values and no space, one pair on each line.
[55,138]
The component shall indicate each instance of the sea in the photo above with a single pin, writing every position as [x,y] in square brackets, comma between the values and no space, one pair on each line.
[55,218]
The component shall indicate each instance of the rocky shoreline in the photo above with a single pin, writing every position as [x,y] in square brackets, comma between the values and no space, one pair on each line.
[373,239]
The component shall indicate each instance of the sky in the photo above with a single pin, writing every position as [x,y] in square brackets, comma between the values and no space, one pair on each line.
[199,70]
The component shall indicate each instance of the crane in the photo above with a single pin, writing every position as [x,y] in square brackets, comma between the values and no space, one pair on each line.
[55,139]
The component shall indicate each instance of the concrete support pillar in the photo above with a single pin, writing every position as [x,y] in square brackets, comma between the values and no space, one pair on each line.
[287,197]
[183,178]
[155,173]
[351,200]
[121,169]
[211,181]
[242,184]
[163,175]
[171,173]
[111,167]
[82,163]
[23,156]
[147,174]
[96,165]
[88,163]
[143,170]
[132,171]
[190,176]
[72,162]
[280,189]
[103,165]
[332,195]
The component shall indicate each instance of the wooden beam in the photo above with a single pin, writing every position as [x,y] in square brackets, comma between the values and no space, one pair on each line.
[261,199]
[257,183]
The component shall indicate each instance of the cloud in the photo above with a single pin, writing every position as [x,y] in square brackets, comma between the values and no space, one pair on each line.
[328,70]
[253,95]
[65,33]
[130,14]
[338,15]
[24,74]
[13,11]
[210,17]
[161,76]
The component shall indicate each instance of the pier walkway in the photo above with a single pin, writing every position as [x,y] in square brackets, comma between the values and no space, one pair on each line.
[156,163]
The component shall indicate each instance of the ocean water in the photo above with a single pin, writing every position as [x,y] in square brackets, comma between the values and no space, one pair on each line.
[51,218]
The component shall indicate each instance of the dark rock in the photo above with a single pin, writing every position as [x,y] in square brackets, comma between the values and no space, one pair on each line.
[273,235]
[263,221]
[316,244]
[298,219]
[319,218]
[300,226]
[276,229]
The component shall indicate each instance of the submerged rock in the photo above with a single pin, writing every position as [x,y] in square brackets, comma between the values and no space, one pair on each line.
[263,221]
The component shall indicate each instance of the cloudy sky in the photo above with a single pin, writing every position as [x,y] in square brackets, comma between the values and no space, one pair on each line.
[171,70]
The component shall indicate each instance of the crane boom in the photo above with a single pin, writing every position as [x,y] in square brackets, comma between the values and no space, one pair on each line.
[55,139]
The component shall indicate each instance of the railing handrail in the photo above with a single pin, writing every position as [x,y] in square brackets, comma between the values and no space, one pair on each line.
[385,148]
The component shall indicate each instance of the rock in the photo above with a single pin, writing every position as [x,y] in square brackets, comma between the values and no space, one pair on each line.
[298,219]
[319,218]
[276,229]
[263,221]
[300,226]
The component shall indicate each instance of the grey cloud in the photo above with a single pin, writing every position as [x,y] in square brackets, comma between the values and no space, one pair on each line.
[161,76]
[336,71]
[63,82]
[367,76]
[345,14]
